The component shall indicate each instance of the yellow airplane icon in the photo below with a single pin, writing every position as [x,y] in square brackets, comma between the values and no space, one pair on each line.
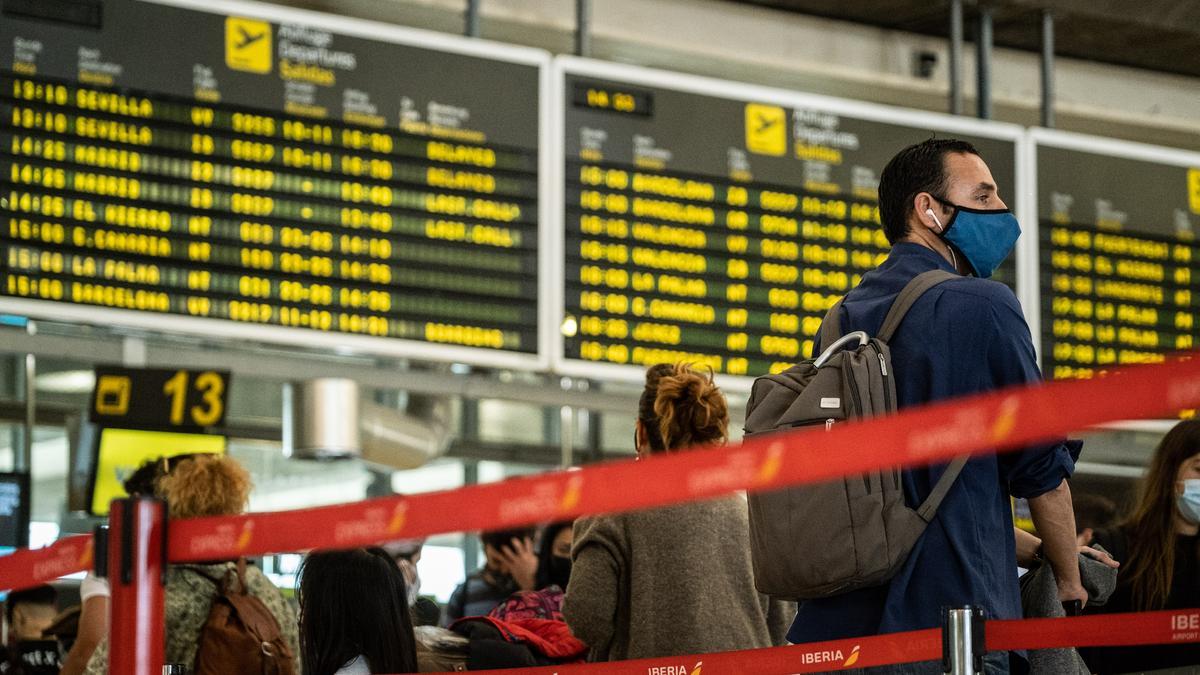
[766,129]
[247,39]
[248,45]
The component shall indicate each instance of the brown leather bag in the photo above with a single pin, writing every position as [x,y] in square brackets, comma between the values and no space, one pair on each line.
[241,635]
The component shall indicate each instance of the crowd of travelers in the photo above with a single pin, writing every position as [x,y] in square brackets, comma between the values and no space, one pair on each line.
[681,579]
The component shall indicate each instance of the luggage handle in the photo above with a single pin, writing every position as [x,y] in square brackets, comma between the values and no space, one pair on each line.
[859,335]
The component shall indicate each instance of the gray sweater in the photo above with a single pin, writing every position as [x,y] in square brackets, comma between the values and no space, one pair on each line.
[667,582]
[1039,599]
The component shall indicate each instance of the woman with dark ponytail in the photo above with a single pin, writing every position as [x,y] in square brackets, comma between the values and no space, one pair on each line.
[674,580]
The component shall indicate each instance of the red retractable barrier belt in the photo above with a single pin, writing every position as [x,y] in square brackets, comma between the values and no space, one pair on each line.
[999,421]
[37,566]
[1151,628]
[1104,630]
[922,645]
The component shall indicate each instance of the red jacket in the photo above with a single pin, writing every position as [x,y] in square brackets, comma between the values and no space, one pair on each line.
[551,639]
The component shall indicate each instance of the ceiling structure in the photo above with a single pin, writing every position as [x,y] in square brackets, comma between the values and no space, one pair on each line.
[1161,35]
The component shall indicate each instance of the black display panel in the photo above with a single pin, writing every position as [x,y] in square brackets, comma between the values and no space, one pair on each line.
[277,172]
[159,398]
[15,504]
[1119,258]
[708,225]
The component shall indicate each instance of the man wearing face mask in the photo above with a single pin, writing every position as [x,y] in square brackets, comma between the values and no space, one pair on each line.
[941,209]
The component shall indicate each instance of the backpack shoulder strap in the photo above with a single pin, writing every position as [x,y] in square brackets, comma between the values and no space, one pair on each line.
[222,583]
[934,500]
[908,297]
[200,573]
[831,327]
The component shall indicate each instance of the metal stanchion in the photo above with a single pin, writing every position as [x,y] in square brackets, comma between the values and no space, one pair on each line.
[962,640]
[471,19]
[137,563]
[583,27]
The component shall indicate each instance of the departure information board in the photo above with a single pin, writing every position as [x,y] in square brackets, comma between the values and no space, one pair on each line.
[716,223]
[316,179]
[1119,256]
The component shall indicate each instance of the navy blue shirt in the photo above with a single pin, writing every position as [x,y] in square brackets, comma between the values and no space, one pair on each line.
[964,336]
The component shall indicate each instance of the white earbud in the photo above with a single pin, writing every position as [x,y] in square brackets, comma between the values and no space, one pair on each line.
[935,219]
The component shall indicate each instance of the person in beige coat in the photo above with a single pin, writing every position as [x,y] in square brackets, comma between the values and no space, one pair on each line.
[675,580]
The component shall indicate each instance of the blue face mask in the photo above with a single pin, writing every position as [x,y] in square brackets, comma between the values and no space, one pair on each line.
[985,238]
[1189,501]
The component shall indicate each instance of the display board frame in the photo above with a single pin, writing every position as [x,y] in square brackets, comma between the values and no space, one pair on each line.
[565,66]
[224,329]
[1036,137]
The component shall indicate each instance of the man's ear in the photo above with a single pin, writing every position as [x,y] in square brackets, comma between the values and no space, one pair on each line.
[923,204]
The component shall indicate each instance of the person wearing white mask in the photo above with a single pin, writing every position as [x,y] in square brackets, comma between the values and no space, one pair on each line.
[407,553]
[1159,548]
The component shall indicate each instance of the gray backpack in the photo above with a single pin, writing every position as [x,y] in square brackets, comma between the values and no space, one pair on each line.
[815,541]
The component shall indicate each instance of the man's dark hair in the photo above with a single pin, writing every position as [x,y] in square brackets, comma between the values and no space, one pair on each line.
[498,539]
[38,595]
[915,169]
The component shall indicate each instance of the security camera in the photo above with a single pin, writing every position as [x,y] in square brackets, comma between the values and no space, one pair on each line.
[923,64]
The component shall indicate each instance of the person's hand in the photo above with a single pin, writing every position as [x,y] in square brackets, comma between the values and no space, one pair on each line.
[1071,592]
[1099,556]
[521,563]
[409,571]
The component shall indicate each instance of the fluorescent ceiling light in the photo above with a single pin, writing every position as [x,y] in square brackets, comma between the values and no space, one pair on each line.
[67,382]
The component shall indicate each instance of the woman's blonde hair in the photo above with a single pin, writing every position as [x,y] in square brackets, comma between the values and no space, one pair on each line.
[205,485]
[680,408]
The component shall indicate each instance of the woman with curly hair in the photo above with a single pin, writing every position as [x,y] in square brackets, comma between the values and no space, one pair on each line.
[195,486]
[674,580]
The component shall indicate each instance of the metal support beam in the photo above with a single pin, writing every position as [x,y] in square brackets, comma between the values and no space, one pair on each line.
[983,63]
[956,56]
[583,27]
[23,460]
[11,369]
[469,421]
[567,438]
[23,454]
[595,430]
[551,426]
[471,546]
[471,19]
[282,366]
[1047,69]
